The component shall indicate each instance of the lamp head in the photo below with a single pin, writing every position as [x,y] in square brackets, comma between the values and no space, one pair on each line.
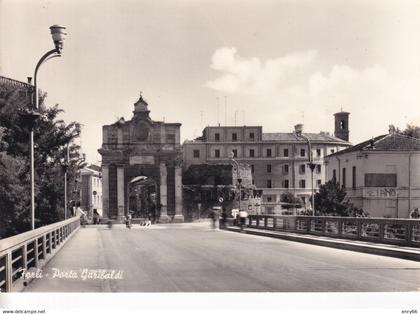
[58,34]
[298,129]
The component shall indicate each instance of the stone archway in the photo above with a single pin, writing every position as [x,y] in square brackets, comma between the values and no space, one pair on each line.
[142,198]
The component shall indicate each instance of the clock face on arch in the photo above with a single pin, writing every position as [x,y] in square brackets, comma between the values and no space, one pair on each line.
[141,131]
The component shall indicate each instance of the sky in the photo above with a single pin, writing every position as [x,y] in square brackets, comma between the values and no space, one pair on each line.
[270,63]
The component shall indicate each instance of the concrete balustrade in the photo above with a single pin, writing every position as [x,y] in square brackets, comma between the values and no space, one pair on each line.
[31,249]
[403,232]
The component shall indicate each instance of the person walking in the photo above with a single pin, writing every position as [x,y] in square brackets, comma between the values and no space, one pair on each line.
[96,217]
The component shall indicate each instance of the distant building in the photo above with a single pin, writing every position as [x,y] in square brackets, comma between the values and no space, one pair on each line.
[381,175]
[278,161]
[91,189]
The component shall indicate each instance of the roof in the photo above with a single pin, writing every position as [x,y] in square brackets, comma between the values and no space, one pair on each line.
[141,104]
[386,142]
[94,167]
[11,82]
[291,137]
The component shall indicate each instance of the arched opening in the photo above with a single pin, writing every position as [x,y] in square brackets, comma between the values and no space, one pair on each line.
[142,198]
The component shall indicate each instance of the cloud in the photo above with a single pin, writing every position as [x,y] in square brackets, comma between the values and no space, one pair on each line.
[251,76]
[296,83]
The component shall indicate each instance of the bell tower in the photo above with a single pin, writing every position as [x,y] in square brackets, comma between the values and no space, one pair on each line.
[341,129]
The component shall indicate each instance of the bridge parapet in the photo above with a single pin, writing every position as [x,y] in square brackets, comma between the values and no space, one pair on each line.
[402,232]
[31,249]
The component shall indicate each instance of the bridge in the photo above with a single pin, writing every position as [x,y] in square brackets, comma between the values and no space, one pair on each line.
[193,257]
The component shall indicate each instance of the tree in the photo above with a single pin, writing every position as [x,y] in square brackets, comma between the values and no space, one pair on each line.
[51,137]
[291,201]
[331,200]
[412,130]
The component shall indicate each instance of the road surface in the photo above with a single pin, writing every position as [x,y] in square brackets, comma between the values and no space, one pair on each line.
[194,258]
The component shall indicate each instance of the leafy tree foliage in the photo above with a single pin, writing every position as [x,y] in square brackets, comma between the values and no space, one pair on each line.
[51,138]
[331,200]
[293,201]
[412,130]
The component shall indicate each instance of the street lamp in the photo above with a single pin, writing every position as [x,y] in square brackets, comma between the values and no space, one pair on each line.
[58,35]
[238,177]
[299,133]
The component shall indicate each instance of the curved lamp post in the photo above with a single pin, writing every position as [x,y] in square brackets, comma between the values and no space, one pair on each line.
[238,177]
[58,34]
[299,133]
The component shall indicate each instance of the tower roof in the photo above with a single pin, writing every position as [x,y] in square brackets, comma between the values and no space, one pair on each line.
[141,105]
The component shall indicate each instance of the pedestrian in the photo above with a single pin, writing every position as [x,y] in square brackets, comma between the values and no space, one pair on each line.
[96,217]
[415,214]
[128,221]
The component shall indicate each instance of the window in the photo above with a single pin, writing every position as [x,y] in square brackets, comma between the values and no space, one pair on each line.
[285,169]
[269,184]
[269,199]
[286,152]
[252,168]
[302,152]
[268,168]
[318,152]
[253,181]
[302,184]
[318,168]
[353,177]
[251,136]
[217,137]
[344,178]
[251,153]
[302,169]
[268,152]
[235,153]
[217,153]
[234,137]
[286,184]
[196,153]
[170,138]
[318,183]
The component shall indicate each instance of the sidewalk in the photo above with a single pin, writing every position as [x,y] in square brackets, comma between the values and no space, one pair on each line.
[409,253]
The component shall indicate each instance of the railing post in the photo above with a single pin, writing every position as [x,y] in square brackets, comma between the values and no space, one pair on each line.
[359,229]
[44,246]
[381,231]
[36,252]
[309,224]
[9,271]
[257,221]
[265,222]
[324,225]
[25,256]
[408,232]
[274,222]
[340,227]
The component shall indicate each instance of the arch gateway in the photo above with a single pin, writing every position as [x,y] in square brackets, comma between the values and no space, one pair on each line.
[145,148]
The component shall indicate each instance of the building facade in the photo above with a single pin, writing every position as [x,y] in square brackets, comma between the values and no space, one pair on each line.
[278,161]
[145,148]
[91,189]
[381,175]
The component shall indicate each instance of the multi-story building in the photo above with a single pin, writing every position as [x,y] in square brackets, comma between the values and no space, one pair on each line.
[91,189]
[278,161]
[380,175]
